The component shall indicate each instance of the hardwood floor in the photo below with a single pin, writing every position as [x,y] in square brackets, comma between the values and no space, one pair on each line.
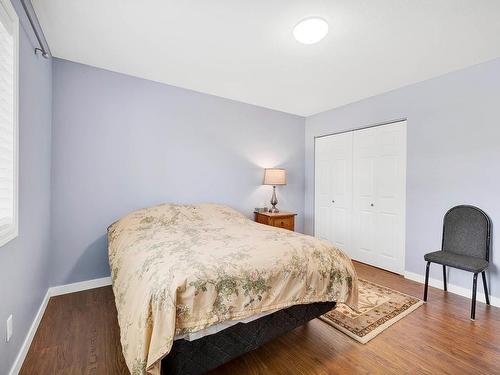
[79,335]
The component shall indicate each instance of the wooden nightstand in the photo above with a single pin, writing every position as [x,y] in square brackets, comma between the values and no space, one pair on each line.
[284,220]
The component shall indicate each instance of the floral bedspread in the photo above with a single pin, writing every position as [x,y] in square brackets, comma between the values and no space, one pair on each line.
[181,268]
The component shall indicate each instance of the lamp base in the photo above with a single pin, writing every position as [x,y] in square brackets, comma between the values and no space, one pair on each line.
[274,202]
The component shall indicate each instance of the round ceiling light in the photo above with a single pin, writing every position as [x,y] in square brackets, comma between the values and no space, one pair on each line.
[311,30]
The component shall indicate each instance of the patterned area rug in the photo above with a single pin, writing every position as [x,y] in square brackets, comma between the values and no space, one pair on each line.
[379,308]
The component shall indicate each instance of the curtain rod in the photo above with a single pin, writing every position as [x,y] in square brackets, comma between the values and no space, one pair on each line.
[41,49]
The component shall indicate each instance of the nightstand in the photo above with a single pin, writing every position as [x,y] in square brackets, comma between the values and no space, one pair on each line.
[284,220]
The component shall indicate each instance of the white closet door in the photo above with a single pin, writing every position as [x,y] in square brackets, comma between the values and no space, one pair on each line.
[364,218]
[333,189]
[379,184]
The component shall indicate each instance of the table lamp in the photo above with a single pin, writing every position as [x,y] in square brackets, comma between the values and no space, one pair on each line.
[274,176]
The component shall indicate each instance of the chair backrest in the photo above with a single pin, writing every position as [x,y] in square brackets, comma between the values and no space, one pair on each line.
[467,231]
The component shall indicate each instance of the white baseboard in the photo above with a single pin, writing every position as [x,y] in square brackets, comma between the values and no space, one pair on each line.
[52,292]
[16,367]
[78,287]
[461,291]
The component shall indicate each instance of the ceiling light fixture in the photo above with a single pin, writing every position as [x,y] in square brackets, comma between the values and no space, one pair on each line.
[310,30]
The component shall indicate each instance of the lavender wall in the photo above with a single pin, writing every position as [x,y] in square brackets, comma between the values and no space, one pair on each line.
[122,143]
[453,154]
[25,260]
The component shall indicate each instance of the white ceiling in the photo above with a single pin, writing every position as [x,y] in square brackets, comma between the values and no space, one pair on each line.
[244,49]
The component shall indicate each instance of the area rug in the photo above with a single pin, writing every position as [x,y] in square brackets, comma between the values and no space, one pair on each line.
[379,308]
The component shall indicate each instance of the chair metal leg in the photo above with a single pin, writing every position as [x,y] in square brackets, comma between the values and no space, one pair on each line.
[426,280]
[474,290]
[444,278]
[485,286]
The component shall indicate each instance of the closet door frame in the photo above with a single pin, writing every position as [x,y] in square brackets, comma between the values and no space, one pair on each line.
[405,164]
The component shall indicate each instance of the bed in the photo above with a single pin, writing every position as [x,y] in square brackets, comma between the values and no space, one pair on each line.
[189,279]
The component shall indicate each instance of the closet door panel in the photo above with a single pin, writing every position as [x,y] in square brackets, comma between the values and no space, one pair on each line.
[366,237]
[378,196]
[387,234]
[364,220]
[323,188]
[390,180]
[341,201]
[390,186]
[333,186]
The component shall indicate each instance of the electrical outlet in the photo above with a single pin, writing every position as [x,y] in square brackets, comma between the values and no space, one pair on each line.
[9,328]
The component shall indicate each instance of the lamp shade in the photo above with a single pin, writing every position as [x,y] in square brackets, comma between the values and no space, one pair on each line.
[274,176]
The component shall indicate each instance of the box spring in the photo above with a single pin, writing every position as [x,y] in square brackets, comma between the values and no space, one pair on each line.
[196,357]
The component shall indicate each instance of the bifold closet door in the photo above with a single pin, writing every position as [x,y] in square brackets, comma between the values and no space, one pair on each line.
[379,184]
[333,189]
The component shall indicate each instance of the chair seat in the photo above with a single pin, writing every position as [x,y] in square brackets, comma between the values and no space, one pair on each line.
[462,262]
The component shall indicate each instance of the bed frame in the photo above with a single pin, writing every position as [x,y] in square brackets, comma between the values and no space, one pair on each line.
[206,353]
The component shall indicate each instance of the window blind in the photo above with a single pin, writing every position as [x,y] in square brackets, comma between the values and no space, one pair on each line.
[8,157]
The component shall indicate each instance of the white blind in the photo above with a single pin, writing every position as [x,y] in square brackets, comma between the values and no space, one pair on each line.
[7,122]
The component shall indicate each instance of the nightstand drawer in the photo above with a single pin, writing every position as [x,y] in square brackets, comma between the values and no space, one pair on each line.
[263,219]
[283,222]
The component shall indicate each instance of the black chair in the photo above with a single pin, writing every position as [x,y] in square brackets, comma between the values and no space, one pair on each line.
[466,245]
